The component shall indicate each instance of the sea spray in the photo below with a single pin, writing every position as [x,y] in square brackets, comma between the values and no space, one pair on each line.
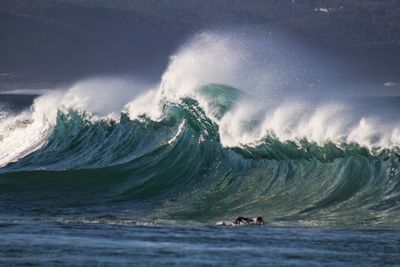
[224,133]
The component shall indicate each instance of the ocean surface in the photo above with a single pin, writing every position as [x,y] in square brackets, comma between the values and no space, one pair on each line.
[104,173]
[50,243]
[149,211]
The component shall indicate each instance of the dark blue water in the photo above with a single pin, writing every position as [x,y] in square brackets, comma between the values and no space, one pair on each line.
[41,243]
[114,194]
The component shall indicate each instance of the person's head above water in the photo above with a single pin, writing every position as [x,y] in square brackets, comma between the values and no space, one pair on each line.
[259,220]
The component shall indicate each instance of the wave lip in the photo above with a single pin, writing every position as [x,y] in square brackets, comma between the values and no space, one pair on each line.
[180,168]
[196,147]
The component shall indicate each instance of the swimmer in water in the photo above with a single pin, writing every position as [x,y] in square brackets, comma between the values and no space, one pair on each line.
[244,221]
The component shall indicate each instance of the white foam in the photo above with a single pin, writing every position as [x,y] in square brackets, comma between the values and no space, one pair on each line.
[207,58]
[271,108]
[299,121]
[100,99]
[148,104]
[178,133]
[26,132]
[268,71]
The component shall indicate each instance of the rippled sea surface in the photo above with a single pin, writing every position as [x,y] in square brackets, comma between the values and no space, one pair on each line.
[47,243]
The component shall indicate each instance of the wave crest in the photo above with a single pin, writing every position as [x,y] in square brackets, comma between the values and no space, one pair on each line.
[196,147]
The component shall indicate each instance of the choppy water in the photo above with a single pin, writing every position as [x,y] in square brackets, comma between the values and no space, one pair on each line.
[82,244]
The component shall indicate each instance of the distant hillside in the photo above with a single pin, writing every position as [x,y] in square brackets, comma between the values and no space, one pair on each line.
[342,22]
[67,39]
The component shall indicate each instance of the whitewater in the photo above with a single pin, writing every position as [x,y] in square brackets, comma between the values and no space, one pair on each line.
[114,169]
[234,127]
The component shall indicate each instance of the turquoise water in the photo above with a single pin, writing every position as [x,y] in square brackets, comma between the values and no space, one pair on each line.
[146,192]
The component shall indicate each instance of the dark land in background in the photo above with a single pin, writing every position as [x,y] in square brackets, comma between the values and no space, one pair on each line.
[48,42]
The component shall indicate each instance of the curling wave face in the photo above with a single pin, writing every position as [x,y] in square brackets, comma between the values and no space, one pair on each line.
[198,148]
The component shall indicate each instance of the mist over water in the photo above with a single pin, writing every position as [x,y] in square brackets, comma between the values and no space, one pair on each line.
[240,123]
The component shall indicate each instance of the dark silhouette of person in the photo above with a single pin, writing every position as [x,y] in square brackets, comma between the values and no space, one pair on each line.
[243,220]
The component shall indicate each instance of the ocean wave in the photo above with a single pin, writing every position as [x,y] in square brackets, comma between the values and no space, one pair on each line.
[197,147]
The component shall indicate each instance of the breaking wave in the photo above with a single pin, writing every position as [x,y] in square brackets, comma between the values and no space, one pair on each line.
[223,134]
